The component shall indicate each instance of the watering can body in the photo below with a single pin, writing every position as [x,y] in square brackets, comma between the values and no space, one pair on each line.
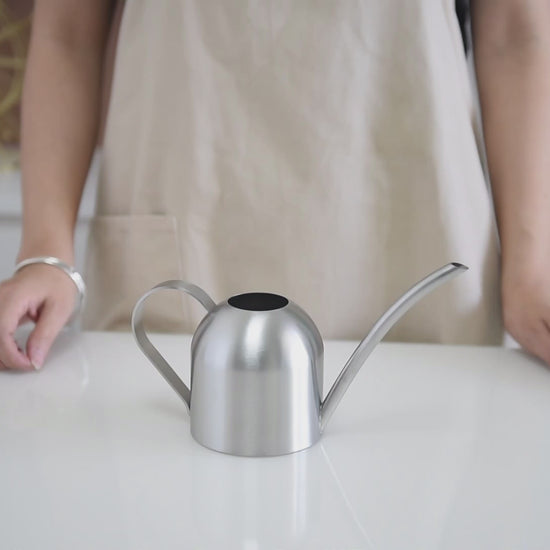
[257,381]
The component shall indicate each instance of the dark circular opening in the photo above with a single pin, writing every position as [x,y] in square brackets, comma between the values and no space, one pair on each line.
[258,301]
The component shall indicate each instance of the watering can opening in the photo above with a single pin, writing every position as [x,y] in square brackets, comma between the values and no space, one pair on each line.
[258,301]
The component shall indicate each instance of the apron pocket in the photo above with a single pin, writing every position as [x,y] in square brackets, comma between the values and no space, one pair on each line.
[126,256]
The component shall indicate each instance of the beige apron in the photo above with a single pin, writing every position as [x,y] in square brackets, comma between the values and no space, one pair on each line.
[323,150]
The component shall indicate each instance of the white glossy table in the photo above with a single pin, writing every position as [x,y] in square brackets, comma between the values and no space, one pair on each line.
[432,448]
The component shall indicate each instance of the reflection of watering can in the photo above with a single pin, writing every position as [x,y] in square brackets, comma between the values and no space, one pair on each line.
[257,368]
[274,503]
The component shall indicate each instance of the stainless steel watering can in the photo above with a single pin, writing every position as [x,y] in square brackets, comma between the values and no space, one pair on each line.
[257,368]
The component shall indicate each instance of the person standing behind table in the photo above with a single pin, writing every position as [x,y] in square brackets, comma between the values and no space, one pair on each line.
[284,108]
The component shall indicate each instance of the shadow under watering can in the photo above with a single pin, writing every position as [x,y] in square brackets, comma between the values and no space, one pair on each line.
[257,368]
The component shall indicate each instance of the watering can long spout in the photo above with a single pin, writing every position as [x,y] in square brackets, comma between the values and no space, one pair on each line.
[379,330]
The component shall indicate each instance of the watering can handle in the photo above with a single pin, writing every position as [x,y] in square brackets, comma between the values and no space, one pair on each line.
[146,345]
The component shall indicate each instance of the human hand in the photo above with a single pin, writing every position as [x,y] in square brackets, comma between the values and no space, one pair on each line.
[41,294]
[526,308]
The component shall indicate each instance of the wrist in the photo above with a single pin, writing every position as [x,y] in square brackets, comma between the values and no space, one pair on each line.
[47,235]
[525,250]
[62,250]
[524,269]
